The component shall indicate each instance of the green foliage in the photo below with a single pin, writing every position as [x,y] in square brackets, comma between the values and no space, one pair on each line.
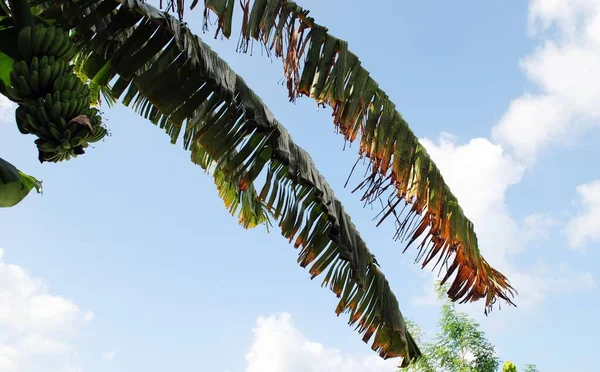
[14,184]
[6,65]
[509,367]
[458,347]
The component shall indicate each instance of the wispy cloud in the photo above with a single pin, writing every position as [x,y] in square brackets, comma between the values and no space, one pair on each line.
[565,70]
[278,346]
[586,225]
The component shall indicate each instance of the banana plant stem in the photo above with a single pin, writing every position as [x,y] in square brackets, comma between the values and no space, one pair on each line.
[22,13]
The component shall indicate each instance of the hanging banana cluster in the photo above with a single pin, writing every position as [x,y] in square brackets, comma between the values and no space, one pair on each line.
[54,104]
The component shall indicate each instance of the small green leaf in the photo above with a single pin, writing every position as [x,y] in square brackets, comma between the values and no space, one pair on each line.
[14,184]
[6,66]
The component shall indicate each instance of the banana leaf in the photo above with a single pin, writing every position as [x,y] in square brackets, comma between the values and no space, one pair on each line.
[400,172]
[15,185]
[169,76]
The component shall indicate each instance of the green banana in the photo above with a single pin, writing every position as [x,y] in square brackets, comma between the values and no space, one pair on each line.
[74,103]
[67,135]
[65,144]
[24,42]
[37,37]
[97,135]
[70,81]
[24,87]
[59,41]
[21,120]
[15,73]
[55,97]
[45,78]
[14,77]
[56,70]
[54,132]
[25,70]
[55,111]
[65,109]
[65,95]
[59,84]
[75,141]
[63,124]
[44,133]
[20,69]
[43,62]
[32,123]
[35,64]
[47,147]
[14,94]
[35,83]
[66,49]
[44,119]
[47,99]
[48,39]
[84,102]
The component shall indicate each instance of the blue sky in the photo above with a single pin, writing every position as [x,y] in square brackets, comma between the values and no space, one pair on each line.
[129,261]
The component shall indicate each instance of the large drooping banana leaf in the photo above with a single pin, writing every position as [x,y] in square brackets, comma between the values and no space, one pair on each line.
[321,66]
[153,63]
[15,185]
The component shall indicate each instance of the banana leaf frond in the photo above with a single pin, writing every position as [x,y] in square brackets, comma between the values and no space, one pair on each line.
[169,76]
[401,175]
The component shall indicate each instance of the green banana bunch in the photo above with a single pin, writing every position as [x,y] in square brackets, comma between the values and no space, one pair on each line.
[54,104]
[42,41]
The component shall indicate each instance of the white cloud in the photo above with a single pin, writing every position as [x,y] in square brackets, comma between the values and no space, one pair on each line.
[566,14]
[543,279]
[565,69]
[479,174]
[36,327]
[538,226]
[429,296]
[479,171]
[278,346]
[7,109]
[586,226]
[109,355]
[89,316]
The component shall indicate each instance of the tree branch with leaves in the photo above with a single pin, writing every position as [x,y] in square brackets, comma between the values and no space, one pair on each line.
[459,346]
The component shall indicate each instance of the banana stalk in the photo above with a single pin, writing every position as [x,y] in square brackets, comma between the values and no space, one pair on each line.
[21,13]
